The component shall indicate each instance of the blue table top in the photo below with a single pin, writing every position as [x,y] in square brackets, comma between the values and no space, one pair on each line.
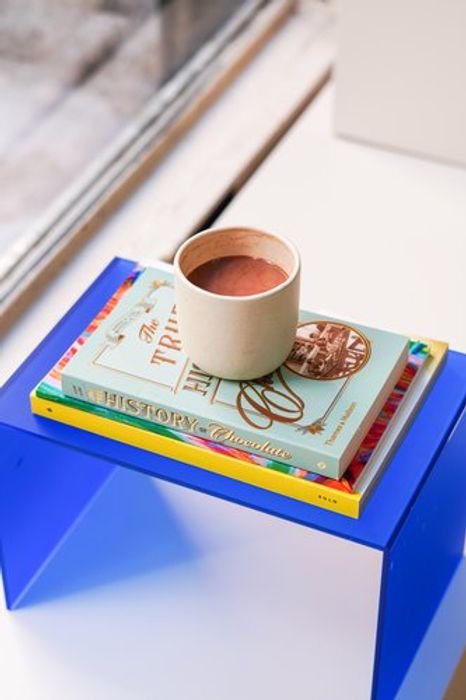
[382,516]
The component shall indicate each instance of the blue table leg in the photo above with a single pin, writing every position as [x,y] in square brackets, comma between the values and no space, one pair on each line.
[420,563]
[45,489]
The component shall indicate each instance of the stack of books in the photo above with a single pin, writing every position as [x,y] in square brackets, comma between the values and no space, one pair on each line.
[320,429]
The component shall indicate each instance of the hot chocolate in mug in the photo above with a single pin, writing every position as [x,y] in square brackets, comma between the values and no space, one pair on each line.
[237,300]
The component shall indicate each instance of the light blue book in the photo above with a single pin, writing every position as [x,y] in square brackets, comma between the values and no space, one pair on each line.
[312,412]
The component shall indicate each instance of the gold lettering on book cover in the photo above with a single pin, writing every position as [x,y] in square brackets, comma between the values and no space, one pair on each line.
[271,400]
[169,344]
[341,423]
[221,433]
[148,330]
[198,381]
[144,410]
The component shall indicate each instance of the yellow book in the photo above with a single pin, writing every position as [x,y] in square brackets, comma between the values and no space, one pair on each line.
[345,496]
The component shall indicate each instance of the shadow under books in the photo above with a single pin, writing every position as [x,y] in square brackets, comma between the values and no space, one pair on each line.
[129,531]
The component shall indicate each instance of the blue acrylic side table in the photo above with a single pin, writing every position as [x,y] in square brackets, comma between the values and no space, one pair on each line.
[401,553]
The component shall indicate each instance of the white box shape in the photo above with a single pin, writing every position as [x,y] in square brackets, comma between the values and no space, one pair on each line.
[401,75]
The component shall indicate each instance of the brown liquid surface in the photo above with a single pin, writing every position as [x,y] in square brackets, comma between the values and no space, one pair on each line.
[237,275]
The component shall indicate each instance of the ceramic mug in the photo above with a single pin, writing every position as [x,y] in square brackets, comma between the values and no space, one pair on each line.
[237,337]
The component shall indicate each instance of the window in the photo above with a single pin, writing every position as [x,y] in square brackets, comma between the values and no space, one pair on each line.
[88,88]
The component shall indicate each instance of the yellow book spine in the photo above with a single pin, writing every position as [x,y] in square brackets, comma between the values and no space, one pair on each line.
[278,482]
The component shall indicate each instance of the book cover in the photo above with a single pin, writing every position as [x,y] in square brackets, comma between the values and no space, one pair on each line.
[345,496]
[313,411]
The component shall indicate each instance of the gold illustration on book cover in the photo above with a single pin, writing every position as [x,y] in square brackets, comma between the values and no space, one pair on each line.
[324,350]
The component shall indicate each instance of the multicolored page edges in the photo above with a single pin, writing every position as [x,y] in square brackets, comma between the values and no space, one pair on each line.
[50,389]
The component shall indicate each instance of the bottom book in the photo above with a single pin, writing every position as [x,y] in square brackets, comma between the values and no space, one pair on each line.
[346,495]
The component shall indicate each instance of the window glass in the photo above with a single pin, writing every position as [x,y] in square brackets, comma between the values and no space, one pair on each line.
[74,75]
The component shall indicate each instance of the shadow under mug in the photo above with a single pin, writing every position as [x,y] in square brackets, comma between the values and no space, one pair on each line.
[237,337]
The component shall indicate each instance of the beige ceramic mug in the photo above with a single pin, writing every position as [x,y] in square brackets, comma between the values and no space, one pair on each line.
[237,337]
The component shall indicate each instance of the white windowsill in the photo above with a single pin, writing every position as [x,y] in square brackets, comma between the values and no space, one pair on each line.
[381,234]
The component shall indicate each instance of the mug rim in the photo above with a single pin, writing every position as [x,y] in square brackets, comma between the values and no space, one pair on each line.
[244,297]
